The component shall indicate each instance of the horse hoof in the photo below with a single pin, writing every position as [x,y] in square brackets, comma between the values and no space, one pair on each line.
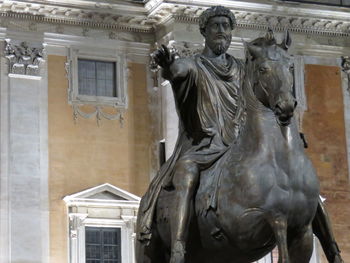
[338,259]
[177,259]
[178,253]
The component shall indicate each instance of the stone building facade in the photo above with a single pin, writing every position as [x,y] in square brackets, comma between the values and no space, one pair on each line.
[73,160]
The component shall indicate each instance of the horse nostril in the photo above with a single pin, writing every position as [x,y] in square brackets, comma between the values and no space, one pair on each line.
[278,109]
[295,104]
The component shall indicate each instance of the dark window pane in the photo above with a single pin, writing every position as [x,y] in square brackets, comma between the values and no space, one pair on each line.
[86,77]
[93,236]
[103,245]
[96,78]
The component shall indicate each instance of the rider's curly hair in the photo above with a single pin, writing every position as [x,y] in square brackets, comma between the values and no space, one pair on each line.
[215,11]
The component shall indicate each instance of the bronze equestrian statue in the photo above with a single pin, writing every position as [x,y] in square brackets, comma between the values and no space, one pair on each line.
[238,182]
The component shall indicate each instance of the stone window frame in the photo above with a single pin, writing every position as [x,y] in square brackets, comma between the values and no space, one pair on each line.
[100,223]
[108,55]
[85,210]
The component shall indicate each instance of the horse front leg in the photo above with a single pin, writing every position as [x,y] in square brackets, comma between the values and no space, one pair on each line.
[279,227]
[300,245]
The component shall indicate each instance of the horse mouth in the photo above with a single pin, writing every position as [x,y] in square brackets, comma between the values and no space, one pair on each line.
[284,113]
[283,118]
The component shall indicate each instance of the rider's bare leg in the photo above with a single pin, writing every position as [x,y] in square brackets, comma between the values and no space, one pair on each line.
[185,181]
[322,229]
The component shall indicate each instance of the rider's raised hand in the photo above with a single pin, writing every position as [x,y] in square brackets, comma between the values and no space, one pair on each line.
[163,57]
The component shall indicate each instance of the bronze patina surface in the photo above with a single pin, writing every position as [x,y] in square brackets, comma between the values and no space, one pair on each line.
[238,182]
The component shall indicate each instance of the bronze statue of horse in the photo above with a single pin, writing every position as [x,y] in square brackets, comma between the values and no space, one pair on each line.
[264,190]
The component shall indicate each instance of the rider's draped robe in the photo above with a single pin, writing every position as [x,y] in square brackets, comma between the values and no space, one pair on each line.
[209,105]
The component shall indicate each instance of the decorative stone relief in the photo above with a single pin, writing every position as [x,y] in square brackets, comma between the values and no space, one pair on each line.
[186,49]
[76,15]
[99,104]
[255,20]
[23,59]
[345,64]
[99,114]
[76,220]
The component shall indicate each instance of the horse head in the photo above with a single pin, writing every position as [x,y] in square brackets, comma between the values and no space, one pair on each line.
[271,70]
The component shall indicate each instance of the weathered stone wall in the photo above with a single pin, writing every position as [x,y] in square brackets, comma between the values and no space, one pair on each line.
[325,130]
[83,155]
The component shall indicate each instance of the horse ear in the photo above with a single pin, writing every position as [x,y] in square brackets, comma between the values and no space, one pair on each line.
[252,50]
[270,36]
[287,41]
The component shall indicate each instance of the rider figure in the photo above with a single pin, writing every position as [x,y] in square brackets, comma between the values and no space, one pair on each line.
[207,91]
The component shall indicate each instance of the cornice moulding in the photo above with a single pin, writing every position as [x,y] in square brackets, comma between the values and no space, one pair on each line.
[108,17]
[55,38]
[299,21]
[321,50]
[270,7]
[134,17]
[116,6]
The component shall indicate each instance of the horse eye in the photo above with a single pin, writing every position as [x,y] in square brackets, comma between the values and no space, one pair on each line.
[291,68]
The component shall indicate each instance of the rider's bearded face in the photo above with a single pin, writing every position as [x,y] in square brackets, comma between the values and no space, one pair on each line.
[218,34]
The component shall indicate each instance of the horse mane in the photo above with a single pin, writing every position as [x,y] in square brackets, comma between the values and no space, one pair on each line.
[263,41]
[248,88]
[247,99]
[249,78]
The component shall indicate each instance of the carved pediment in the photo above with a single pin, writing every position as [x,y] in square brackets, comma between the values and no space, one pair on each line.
[102,193]
[106,195]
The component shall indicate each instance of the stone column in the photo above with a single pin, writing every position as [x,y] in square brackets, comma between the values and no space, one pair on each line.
[345,66]
[299,90]
[24,155]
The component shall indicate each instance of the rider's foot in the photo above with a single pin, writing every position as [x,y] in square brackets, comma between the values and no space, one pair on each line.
[178,252]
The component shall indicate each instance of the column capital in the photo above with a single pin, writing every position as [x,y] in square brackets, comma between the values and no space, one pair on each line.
[80,216]
[24,59]
[345,64]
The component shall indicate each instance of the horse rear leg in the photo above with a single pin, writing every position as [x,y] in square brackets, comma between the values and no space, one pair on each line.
[300,246]
[279,227]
